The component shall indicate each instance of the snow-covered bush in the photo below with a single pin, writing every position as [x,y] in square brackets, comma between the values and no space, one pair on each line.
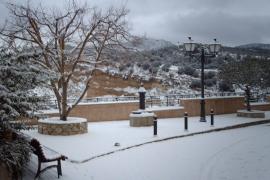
[14,155]
[188,70]
[210,82]
[195,83]
[209,75]
[146,66]
[166,67]
[223,86]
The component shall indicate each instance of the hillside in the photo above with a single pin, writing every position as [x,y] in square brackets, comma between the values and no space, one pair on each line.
[165,70]
[168,67]
[255,46]
[104,84]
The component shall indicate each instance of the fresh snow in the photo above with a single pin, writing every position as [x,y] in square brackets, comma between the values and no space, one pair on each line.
[101,136]
[142,114]
[56,120]
[241,154]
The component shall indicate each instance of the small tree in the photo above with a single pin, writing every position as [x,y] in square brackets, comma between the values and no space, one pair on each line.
[71,42]
[244,73]
[241,73]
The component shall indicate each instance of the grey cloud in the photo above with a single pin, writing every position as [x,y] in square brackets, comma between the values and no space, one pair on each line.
[233,22]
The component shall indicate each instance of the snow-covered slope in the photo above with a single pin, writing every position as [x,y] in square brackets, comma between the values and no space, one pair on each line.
[147,44]
[255,45]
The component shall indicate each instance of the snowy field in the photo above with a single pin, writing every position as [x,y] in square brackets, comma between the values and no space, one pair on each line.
[233,154]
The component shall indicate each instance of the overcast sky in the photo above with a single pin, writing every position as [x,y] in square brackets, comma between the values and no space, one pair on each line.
[232,22]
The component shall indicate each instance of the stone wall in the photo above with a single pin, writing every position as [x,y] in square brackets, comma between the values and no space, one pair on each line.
[108,111]
[260,106]
[62,129]
[220,105]
[111,111]
[168,112]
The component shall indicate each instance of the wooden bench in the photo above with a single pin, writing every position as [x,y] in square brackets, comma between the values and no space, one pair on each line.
[37,150]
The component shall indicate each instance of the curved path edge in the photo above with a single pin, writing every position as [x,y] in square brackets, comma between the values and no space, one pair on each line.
[175,137]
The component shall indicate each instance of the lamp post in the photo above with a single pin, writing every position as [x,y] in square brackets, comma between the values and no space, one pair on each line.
[142,92]
[213,49]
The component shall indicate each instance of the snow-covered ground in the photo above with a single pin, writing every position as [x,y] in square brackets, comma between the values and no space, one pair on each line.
[234,154]
[102,136]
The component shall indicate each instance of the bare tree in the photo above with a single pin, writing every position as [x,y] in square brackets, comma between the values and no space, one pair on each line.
[71,41]
[245,74]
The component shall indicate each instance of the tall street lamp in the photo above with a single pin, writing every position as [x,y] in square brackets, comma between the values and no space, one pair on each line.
[209,50]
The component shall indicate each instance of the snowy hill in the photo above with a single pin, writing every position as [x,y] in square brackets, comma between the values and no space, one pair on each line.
[255,45]
[162,66]
[147,44]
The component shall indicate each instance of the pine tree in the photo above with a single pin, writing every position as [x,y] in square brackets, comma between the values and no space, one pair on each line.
[18,78]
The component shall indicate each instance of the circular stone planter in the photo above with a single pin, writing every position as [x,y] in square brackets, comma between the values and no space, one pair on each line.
[141,118]
[251,114]
[57,127]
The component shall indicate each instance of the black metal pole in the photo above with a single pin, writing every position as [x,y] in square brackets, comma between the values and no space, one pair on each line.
[142,97]
[202,118]
[248,98]
[155,125]
[186,121]
[142,100]
[212,117]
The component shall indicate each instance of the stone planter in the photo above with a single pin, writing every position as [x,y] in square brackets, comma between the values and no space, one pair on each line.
[251,114]
[54,126]
[141,118]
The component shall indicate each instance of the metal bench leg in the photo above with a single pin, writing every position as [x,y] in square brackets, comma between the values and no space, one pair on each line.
[38,170]
[59,169]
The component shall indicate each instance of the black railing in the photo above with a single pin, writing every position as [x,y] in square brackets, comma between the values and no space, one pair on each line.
[166,100]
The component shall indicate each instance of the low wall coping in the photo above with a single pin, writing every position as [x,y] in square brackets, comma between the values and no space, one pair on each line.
[213,97]
[260,103]
[108,102]
[165,108]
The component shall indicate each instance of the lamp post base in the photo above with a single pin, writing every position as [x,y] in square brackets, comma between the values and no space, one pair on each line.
[202,119]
